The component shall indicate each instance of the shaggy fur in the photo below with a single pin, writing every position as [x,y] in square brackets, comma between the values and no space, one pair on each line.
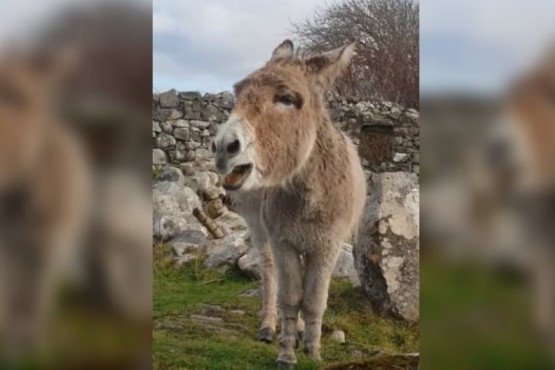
[42,190]
[305,193]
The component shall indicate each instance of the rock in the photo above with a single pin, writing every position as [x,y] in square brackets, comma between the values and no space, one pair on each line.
[201,181]
[169,99]
[212,192]
[172,208]
[225,100]
[213,129]
[187,169]
[194,135]
[166,127]
[226,252]
[191,145]
[180,123]
[203,153]
[162,114]
[210,97]
[172,174]
[345,265]
[338,336]
[181,260]
[214,208]
[232,224]
[188,241]
[387,249]
[212,113]
[413,114]
[181,133]
[400,157]
[156,126]
[200,124]
[250,293]
[249,263]
[177,156]
[164,141]
[208,319]
[159,157]
[190,95]
[395,112]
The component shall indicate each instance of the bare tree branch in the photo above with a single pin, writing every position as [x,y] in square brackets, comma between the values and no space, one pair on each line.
[386,65]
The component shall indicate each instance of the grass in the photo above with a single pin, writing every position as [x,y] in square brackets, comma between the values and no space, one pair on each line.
[179,342]
[476,318]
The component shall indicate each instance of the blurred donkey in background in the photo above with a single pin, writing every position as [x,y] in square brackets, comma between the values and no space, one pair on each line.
[75,213]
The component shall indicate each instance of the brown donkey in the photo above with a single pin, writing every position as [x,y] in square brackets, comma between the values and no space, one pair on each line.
[298,182]
[43,187]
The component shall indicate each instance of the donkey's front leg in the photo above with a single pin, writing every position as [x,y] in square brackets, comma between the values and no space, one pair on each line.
[317,278]
[290,293]
[269,293]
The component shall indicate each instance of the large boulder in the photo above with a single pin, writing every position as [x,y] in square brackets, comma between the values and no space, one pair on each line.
[172,209]
[387,249]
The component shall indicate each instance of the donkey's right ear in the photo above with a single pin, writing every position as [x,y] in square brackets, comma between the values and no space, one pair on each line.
[283,51]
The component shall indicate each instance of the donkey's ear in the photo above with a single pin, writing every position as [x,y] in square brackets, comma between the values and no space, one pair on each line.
[283,51]
[326,67]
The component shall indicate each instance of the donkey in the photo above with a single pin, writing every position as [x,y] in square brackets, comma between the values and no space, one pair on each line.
[43,192]
[298,182]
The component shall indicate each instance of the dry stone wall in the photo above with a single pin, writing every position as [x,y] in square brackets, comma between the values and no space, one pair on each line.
[184,124]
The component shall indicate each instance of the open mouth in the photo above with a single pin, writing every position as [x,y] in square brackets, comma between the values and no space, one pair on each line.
[235,179]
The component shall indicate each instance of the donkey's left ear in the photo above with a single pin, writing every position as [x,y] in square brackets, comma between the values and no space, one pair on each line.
[283,50]
[326,67]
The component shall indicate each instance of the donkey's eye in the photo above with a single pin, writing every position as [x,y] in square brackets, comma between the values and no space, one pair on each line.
[288,100]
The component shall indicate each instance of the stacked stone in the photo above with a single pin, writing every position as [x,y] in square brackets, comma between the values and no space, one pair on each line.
[184,124]
[352,117]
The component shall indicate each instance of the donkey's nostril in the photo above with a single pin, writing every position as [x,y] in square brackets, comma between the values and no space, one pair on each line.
[233,147]
[213,147]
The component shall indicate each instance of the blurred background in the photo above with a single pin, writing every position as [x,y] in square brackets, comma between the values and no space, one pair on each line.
[75,195]
[75,174]
[488,187]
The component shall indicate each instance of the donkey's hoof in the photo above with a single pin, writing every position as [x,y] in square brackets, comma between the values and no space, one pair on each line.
[266,335]
[286,361]
[313,353]
[285,365]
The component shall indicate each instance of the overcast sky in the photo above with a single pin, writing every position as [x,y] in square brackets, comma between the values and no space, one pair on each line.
[479,45]
[473,45]
[210,45]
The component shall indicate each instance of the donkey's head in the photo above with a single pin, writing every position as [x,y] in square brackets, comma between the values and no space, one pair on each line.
[272,128]
[26,108]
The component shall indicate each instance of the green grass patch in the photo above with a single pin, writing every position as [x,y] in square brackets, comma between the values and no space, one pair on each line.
[476,318]
[180,342]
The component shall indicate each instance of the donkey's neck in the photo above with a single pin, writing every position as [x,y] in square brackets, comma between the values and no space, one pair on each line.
[328,154]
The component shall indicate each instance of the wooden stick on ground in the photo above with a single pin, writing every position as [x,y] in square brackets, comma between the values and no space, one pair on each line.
[208,223]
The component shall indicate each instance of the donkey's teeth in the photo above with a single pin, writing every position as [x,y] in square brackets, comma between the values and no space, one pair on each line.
[233,178]
[232,181]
